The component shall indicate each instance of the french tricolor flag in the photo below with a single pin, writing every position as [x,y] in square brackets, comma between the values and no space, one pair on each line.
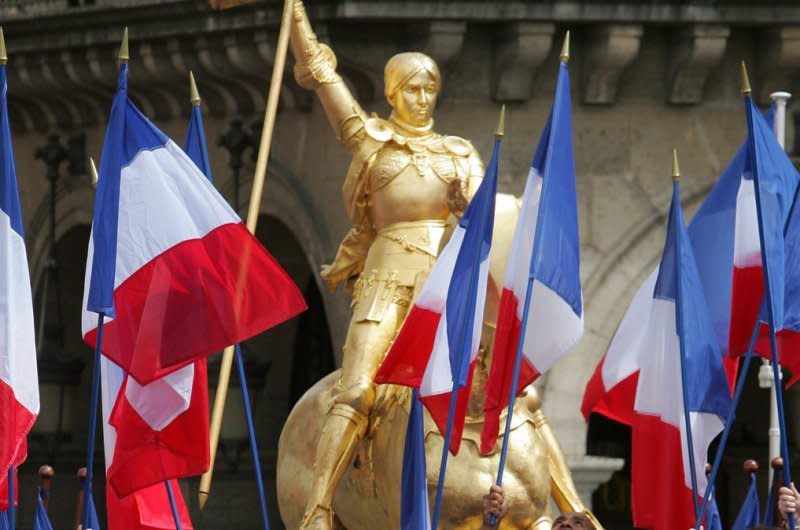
[161,428]
[681,354]
[146,508]
[172,268]
[771,187]
[19,386]
[545,254]
[436,347]
[724,236]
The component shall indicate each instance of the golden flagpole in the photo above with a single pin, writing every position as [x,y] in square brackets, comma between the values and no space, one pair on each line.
[252,220]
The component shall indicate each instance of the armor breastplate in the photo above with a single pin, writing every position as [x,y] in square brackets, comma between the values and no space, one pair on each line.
[426,158]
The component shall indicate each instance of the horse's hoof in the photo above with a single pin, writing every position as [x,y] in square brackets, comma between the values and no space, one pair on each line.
[320,518]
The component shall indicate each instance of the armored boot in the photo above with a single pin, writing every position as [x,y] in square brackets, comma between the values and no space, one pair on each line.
[344,427]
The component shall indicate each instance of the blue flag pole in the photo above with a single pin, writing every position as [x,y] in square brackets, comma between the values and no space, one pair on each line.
[768,295]
[414,511]
[175,516]
[514,382]
[463,341]
[11,522]
[449,430]
[736,398]
[557,130]
[195,148]
[87,485]
[512,394]
[252,432]
[745,367]
[681,338]
[723,442]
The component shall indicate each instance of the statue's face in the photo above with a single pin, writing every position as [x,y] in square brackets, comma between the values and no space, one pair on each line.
[414,102]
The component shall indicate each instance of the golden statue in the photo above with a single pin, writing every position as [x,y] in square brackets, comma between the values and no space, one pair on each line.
[340,452]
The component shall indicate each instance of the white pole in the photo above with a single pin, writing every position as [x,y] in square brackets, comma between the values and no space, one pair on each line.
[766,378]
[780,99]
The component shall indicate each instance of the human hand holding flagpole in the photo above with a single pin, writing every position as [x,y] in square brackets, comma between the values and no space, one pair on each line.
[252,219]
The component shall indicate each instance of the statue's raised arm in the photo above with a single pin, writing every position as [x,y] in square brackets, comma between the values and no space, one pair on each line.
[401,170]
[315,69]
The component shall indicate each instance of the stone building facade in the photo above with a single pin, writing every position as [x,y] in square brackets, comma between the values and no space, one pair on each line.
[646,76]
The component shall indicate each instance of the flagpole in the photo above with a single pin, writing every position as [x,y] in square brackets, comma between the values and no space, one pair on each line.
[10,519]
[765,374]
[723,442]
[745,369]
[512,394]
[466,332]
[514,382]
[252,432]
[768,293]
[11,523]
[201,139]
[124,56]
[87,485]
[681,334]
[172,505]
[252,220]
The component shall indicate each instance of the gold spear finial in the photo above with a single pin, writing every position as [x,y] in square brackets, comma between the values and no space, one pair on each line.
[3,56]
[746,90]
[565,49]
[501,123]
[194,94]
[676,171]
[93,172]
[123,48]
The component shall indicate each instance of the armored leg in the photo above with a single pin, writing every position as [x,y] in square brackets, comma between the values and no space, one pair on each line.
[348,416]
[343,428]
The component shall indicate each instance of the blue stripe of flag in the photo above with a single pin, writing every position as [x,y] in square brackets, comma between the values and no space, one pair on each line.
[555,259]
[128,133]
[706,383]
[777,182]
[9,191]
[195,145]
[478,223]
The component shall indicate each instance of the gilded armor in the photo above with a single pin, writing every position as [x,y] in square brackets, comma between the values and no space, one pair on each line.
[404,190]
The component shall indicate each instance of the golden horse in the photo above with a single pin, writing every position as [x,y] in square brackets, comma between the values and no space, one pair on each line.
[368,496]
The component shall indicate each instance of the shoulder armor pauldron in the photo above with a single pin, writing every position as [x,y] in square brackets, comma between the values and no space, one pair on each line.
[378,129]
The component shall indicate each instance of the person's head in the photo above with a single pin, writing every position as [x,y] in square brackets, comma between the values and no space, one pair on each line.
[573,521]
[411,84]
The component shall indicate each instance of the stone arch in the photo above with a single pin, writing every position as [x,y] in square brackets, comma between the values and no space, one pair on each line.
[73,208]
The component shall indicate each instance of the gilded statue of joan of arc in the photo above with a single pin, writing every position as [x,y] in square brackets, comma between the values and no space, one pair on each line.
[406,184]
